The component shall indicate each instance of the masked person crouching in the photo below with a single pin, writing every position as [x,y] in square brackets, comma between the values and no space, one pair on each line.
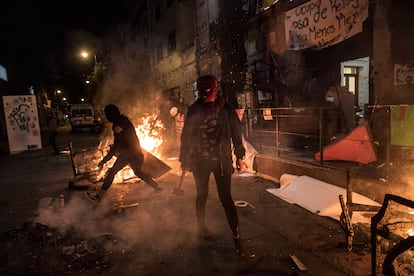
[127,150]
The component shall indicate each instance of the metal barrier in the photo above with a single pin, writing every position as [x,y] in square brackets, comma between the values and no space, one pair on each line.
[287,131]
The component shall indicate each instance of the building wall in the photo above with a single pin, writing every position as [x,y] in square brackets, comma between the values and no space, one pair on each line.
[385,42]
[325,61]
[208,60]
[175,68]
[394,52]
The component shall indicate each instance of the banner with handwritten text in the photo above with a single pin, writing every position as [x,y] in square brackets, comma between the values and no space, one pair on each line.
[323,23]
[22,123]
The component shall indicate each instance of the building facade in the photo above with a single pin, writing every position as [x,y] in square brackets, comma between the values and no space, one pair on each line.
[296,52]
[171,32]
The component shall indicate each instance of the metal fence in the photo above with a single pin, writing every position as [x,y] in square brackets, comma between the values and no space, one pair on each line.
[293,131]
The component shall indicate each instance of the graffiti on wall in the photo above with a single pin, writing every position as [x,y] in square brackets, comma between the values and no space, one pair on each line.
[403,74]
[322,23]
[22,123]
[402,125]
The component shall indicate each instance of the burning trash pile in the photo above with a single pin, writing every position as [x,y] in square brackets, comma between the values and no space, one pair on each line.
[392,232]
[52,244]
[149,132]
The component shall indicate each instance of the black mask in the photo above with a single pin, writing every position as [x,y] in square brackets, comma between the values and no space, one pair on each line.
[112,112]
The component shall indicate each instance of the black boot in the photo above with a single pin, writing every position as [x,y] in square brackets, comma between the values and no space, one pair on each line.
[153,184]
[237,245]
[204,233]
[237,242]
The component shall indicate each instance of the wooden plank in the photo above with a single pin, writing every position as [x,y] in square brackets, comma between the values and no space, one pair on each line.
[154,166]
[298,263]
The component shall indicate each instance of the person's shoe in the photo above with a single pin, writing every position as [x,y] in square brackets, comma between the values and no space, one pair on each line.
[205,234]
[158,190]
[238,248]
[93,197]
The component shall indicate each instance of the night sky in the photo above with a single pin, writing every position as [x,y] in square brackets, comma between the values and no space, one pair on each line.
[34,33]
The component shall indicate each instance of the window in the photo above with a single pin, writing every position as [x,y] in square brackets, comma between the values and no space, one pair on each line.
[173,94]
[351,81]
[159,52]
[172,42]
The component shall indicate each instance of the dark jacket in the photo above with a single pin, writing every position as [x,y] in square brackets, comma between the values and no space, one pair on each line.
[51,119]
[228,133]
[126,142]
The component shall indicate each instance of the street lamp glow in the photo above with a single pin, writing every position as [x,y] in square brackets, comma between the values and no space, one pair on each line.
[58,91]
[82,99]
[84,54]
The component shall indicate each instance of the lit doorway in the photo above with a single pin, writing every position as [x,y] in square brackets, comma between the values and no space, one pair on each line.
[355,77]
[351,81]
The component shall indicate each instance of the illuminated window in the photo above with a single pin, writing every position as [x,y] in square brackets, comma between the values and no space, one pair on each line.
[351,79]
[350,70]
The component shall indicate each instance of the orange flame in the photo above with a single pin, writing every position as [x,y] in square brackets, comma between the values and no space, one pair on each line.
[150,136]
[149,133]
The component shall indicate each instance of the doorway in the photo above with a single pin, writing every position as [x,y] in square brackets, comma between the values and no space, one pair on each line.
[355,77]
[351,81]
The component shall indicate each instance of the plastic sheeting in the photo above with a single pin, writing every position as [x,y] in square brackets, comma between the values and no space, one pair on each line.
[356,147]
[319,197]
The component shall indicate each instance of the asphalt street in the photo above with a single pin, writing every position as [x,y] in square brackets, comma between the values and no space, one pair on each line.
[157,235]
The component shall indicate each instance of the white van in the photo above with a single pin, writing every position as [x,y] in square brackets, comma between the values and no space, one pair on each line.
[82,117]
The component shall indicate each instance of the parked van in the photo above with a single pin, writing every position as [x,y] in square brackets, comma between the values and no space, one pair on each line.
[82,117]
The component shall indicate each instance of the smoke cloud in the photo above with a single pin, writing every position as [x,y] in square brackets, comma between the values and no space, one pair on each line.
[159,223]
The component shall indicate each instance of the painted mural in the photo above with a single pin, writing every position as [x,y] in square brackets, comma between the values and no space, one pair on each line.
[402,125]
[403,74]
[22,123]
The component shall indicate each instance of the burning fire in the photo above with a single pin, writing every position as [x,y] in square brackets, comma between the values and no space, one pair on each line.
[149,133]
[410,232]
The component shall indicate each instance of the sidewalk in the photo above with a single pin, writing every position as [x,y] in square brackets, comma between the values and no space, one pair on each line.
[158,235]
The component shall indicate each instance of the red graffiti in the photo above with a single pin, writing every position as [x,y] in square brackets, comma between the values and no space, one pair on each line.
[400,116]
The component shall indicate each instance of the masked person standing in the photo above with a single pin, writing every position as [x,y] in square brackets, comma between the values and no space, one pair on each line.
[210,130]
[127,150]
[51,121]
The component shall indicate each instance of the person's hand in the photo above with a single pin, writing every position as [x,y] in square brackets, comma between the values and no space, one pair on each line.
[117,129]
[185,168]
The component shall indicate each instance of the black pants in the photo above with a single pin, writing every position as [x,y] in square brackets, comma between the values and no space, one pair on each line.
[135,162]
[52,140]
[223,181]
